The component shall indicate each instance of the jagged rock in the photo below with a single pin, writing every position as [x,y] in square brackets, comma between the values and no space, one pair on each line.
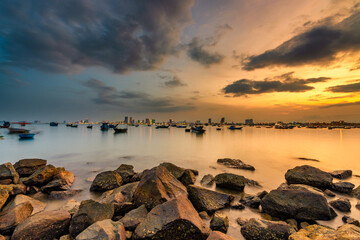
[40,196]
[89,212]
[301,187]
[262,194]
[207,180]
[128,190]
[309,175]
[303,225]
[157,186]
[219,222]
[12,217]
[43,226]
[293,223]
[4,195]
[106,181]
[61,182]
[341,174]
[37,205]
[341,204]
[32,189]
[72,206]
[176,219]
[105,229]
[252,183]
[358,205]
[356,192]
[230,181]
[329,193]
[8,174]
[207,200]
[237,205]
[266,230]
[41,176]
[317,232]
[176,170]
[235,163]
[133,218]
[61,195]
[204,215]
[251,201]
[188,178]
[65,237]
[298,204]
[241,221]
[126,172]
[26,167]
[14,189]
[215,235]
[350,220]
[343,187]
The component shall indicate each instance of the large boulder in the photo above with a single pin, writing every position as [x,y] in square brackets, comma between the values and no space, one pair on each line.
[8,174]
[89,212]
[219,222]
[126,172]
[309,175]
[343,187]
[105,229]
[176,170]
[341,174]
[26,167]
[341,204]
[235,163]
[318,232]
[256,229]
[4,195]
[157,186]
[12,217]
[37,206]
[230,181]
[298,204]
[61,182]
[14,189]
[114,197]
[188,178]
[41,176]
[207,200]
[133,218]
[106,181]
[43,226]
[176,219]
[216,235]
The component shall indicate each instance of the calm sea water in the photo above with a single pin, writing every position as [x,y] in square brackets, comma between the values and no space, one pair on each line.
[272,152]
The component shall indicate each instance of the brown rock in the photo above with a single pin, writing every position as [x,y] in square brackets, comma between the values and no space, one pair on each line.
[12,217]
[215,235]
[8,172]
[26,167]
[105,181]
[4,195]
[41,176]
[219,222]
[188,178]
[105,229]
[133,218]
[37,206]
[61,182]
[60,195]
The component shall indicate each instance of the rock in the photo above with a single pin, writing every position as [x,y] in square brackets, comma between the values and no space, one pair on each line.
[219,222]
[126,172]
[252,183]
[298,204]
[207,200]
[61,195]
[61,182]
[358,205]
[207,180]
[188,178]
[32,189]
[230,181]
[356,192]
[301,187]
[41,176]
[43,226]
[341,204]
[303,225]
[293,223]
[8,174]
[37,205]
[65,237]
[237,205]
[40,196]
[329,193]
[309,175]
[204,215]
[175,219]
[157,186]
[72,206]
[14,189]
[266,230]
[317,232]
[12,217]
[343,187]
[173,169]
[128,234]
[251,201]
[241,221]
[341,174]
[114,197]
[137,177]
[105,229]
[128,190]
[262,194]
[235,163]
[26,167]
[133,218]
[4,195]
[124,208]
[350,220]
[89,212]
[106,181]
[215,235]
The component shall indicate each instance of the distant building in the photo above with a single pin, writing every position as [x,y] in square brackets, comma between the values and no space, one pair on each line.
[222,121]
[153,121]
[147,121]
[209,121]
[126,120]
[171,121]
[249,121]
[130,120]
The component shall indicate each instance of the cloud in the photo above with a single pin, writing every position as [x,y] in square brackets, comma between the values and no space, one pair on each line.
[283,83]
[172,81]
[133,101]
[346,88]
[318,45]
[346,104]
[65,36]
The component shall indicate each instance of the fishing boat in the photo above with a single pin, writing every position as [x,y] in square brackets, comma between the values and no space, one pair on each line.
[162,126]
[54,124]
[22,123]
[112,125]
[198,129]
[187,130]
[218,129]
[26,135]
[120,130]
[181,126]
[235,128]
[5,125]
[18,130]
[89,126]
[74,125]
[104,127]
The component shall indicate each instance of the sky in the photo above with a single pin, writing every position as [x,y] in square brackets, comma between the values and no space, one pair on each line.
[269,60]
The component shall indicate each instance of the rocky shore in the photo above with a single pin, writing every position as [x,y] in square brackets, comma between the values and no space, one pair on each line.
[165,203]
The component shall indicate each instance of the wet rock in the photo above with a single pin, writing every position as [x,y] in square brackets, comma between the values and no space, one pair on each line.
[219,222]
[358,205]
[106,181]
[61,182]
[188,178]
[133,218]
[41,176]
[157,186]
[329,193]
[317,232]
[14,189]
[235,163]
[293,223]
[43,226]
[114,197]
[251,201]
[341,174]
[309,175]
[356,192]
[266,230]
[343,187]
[105,229]
[207,180]
[128,190]
[72,206]
[207,200]
[61,195]
[341,204]
[241,221]
[298,204]
[262,194]
[126,172]
[237,205]
[204,215]
[252,183]
[303,225]
[8,174]
[26,167]
[230,181]
[350,220]
[176,219]
[4,195]
[215,235]
[12,217]
[37,205]
[176,170]
[40,196]
[89,212]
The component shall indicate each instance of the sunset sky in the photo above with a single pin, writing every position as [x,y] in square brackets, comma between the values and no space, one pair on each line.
[269,60]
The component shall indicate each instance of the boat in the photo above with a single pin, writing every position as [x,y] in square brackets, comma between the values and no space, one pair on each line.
[18,130]
[181,126]
[104,127]
[74,125]
[89,126]
[120,130]
[162,126]
[68,124]
[5,125]
[26,135]
[218,129]
[198,129]
[54,124]
[112,126]
[187,130]
[22,123]
[235,128]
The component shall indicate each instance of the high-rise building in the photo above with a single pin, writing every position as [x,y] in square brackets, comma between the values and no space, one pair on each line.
[249,121]
[126,120]
[209,121]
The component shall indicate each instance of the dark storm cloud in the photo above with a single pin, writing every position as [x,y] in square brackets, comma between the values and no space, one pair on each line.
[318,45]
[172,81]
[346,88]
[133,101]
[64,36]
[283,83]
